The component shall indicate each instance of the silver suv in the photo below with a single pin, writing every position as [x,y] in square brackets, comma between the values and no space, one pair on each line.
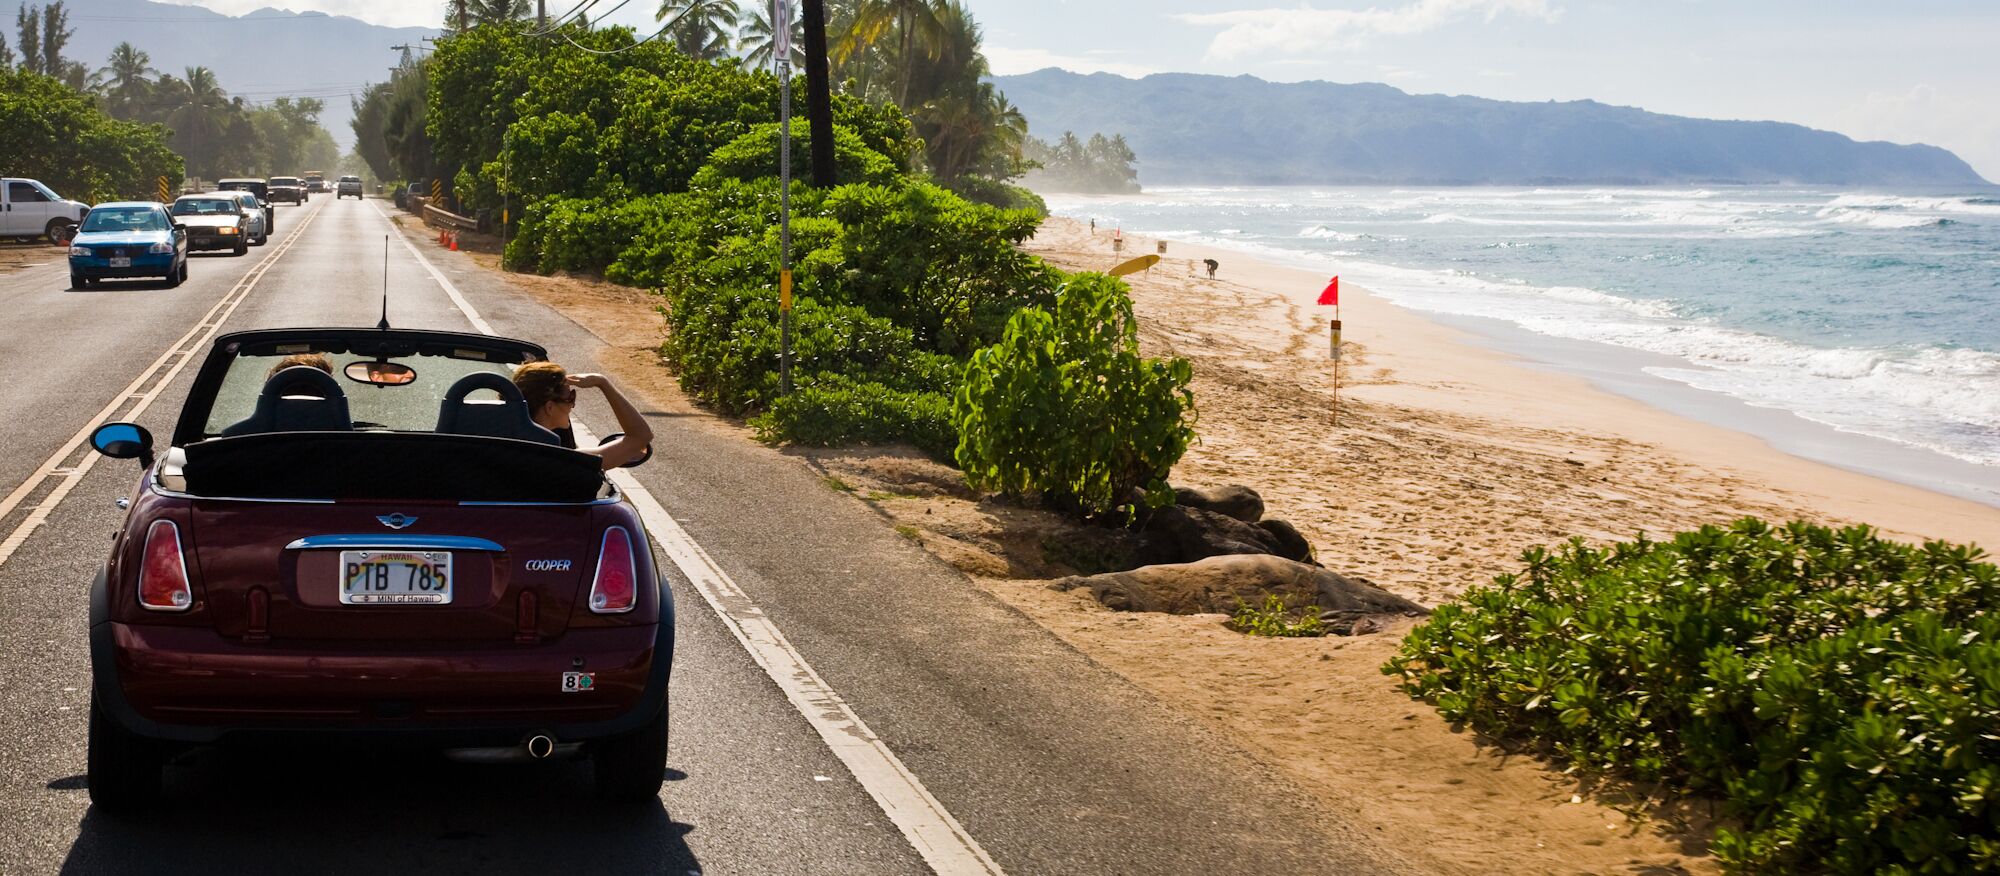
[349,185]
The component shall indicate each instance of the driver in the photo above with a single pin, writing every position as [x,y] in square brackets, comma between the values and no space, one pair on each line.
[551,395]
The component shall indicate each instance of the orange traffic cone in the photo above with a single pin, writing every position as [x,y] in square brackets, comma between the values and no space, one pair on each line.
[454,241]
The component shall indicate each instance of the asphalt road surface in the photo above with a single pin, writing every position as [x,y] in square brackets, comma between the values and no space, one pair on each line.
[936,729]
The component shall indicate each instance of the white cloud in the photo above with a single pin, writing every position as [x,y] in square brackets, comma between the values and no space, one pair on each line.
[1007,62]
[1250,32]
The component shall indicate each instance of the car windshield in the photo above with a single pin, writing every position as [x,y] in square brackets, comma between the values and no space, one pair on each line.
[206,206]
[350,179]
[125,219]
[409,407]
[284,181]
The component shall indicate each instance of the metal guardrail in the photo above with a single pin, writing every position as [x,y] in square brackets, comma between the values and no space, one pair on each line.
[439,216]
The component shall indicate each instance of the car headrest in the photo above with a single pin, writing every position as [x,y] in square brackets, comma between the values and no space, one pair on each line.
[298,399]
[505,417]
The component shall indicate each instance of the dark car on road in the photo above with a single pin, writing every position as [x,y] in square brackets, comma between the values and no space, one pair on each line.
[359,538]
[348,185]
[289,189]
[127,239]
[256,187]
[216,220]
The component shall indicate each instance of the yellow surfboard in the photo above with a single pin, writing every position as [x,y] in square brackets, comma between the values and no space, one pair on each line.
[1135,266]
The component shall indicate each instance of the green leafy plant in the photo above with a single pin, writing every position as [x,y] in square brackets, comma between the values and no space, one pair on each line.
[1064,405]
[1839,691]
[1275,620]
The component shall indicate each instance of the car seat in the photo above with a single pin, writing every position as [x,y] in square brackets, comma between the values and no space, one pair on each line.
[504,417]
[298,399]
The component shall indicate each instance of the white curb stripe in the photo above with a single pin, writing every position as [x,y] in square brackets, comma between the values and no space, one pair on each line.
[931,830]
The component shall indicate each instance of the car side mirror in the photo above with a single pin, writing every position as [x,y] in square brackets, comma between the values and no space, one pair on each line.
[640,460]
[124,441]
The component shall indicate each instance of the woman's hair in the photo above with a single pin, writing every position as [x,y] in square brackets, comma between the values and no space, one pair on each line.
[541,383]
[315,360]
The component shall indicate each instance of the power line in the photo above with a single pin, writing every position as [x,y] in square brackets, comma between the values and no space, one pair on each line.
[557,22]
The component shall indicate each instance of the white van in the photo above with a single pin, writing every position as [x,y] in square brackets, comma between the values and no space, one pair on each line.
[29,209]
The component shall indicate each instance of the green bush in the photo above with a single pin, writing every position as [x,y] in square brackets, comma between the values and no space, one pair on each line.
[1840,692]
[1064,405]
[53,133]
[755,156]
[836,411]
[994,193]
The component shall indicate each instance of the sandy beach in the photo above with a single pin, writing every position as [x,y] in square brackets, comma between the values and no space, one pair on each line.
[1448,459]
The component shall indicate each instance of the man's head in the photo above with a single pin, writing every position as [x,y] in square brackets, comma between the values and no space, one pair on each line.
[310,360]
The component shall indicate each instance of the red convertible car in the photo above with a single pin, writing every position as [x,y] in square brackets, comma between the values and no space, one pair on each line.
[359,536]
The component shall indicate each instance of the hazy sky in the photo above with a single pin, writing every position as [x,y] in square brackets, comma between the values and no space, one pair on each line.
[1907,71]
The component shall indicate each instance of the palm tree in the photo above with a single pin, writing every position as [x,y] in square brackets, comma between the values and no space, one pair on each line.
[700,28]
[917,26]
[124,82]
[197,112]
[759,44]
[497,11]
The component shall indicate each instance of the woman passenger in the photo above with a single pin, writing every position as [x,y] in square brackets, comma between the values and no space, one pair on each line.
[551,395]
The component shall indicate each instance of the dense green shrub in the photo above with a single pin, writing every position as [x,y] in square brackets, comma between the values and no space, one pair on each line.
[1064,404]
[1840,692]
[53,133]
[755,156]
[931,260]
[539,117]
[994,193]
[832,411]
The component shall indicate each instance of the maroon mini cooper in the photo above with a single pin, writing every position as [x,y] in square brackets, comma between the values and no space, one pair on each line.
[360,536]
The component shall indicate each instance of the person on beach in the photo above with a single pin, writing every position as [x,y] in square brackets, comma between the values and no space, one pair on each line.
[1093,227]
[551,395]
[1212,265]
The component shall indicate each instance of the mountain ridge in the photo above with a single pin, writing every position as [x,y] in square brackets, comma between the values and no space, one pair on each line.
[1191,128]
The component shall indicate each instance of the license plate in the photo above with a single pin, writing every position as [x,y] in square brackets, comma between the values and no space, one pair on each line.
[395,577]
[121,263]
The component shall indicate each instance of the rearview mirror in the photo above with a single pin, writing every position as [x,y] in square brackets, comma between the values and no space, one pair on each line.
[380,373]
[124,441]
[637,461]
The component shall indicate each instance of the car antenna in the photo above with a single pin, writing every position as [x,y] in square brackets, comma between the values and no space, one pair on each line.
[384,324]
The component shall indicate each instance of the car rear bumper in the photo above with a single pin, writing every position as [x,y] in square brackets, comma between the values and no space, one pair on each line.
[149,265]
[216,241]
[189,684]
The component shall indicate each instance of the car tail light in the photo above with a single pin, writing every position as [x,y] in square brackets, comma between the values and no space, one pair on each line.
[163,580]
[616,588]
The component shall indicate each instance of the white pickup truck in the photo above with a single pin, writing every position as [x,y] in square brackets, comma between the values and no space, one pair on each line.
[29,209]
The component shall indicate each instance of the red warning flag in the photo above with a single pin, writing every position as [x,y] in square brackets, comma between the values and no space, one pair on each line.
[1331,294]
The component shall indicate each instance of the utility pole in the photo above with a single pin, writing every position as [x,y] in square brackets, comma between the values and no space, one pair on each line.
[819,96]
[463,13]
[541,14]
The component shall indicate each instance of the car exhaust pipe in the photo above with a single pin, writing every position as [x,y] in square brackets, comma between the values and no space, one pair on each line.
[540,746]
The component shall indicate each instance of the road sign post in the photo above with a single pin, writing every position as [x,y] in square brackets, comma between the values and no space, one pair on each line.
[781,31]
[166,194]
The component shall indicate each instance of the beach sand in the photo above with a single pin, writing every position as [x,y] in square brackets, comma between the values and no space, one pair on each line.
[1447,461]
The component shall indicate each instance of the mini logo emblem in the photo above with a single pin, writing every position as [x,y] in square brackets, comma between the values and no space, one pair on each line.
[546,565]
[578,682]
[397,520]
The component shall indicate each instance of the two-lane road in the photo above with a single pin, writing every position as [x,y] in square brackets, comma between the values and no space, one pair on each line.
[842,703]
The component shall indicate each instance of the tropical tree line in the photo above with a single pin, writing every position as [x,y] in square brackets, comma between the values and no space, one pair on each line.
[1100,165]
[62,136]
[921,56]
[218,135]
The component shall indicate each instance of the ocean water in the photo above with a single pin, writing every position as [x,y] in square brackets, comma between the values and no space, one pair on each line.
[1875,313]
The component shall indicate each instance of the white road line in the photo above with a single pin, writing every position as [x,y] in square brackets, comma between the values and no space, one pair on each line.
[185,349]
[943,843]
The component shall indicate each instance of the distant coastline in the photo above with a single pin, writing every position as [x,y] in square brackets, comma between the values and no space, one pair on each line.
[1216,130]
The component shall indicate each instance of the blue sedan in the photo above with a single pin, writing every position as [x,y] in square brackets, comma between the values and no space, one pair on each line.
[128,239]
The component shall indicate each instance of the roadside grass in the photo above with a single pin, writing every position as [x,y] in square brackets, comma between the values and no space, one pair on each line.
[1273,619]
[835,484]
